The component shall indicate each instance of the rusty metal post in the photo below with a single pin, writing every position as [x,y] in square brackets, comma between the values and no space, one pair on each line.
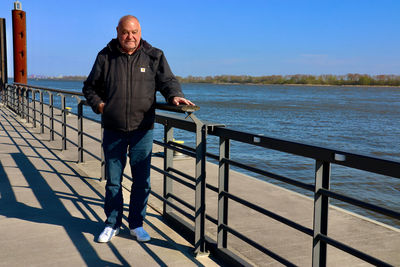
[19,42]
[3,57]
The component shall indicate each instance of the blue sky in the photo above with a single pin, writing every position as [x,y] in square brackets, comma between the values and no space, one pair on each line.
[218,37]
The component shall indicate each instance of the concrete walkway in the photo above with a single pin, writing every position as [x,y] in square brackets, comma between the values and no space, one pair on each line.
[51,212]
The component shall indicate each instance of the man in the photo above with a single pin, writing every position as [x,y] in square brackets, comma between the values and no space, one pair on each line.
[122,87]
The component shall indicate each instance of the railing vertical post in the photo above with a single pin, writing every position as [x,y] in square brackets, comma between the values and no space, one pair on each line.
[51,115]
[22,99]
[103,161]
[223,186]
[80,131]
[3,60]
[321,206]
[16,99]
[41,111]
[200,176]
[11,98]
[23,92]
[27,105]
[34,107]
[64,123]
[168,163]
[5,94]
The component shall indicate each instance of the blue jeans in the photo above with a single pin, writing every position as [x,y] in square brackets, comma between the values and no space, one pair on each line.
[116,146]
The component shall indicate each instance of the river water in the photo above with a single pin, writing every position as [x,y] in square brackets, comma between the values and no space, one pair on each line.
[360,120]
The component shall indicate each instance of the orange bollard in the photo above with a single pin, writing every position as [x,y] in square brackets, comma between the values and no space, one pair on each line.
[19,41]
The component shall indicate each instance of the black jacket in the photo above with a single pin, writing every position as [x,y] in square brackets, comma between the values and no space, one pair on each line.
[128,85]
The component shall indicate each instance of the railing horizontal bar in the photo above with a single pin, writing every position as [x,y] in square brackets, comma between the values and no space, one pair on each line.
[361,204]
[180,108]
[192,179]
[381,166]
[268,213]
[308,187]
[183,202]
[210,218]
[184,213]
[191,186]
[173,147]
[258,246]
[352,251]
[175,121]
[188,148]
[187,176]
[210,155]
[50,89]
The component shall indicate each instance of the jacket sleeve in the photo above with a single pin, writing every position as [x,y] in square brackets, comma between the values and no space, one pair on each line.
[166,82]
[93,87]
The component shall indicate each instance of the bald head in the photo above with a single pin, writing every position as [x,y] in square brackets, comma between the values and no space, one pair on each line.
[127,17]
[129,33]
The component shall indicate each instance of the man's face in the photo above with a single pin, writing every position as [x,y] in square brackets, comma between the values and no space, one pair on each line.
[129,34]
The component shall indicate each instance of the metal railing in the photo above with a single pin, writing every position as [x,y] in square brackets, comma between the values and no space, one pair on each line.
[22,99]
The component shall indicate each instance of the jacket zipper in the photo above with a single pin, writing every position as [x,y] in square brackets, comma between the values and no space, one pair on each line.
[128,91]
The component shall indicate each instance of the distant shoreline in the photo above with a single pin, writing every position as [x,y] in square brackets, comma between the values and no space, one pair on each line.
[349,80]
[273,84]
[297,84]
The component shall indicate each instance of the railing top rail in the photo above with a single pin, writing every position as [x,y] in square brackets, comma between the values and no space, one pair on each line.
[160,106]
[180,108]
[357,161]
[50,89]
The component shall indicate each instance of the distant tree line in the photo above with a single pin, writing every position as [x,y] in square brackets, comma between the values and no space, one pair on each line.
[326,79]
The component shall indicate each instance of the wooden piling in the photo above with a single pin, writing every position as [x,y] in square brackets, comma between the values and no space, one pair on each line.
[19,42]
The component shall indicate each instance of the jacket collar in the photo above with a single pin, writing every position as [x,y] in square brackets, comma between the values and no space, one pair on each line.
[115,47]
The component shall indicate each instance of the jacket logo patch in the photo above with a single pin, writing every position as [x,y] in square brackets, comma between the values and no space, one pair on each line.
[142,69]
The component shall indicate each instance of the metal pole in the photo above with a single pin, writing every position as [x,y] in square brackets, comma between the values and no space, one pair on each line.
[34,107]
[41,112]
[64,123]
[223,185]
[19,43]
[200,176]
[103,161]
[18,99]
[168,163]
[80,131]
[321,206]
[27,105]
[22,98]
[3,59]
[51,115]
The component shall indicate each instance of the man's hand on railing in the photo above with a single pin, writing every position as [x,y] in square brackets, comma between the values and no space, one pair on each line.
[176,100]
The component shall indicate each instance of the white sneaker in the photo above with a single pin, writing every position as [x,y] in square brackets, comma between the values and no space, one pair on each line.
[140,234]
[107,234]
